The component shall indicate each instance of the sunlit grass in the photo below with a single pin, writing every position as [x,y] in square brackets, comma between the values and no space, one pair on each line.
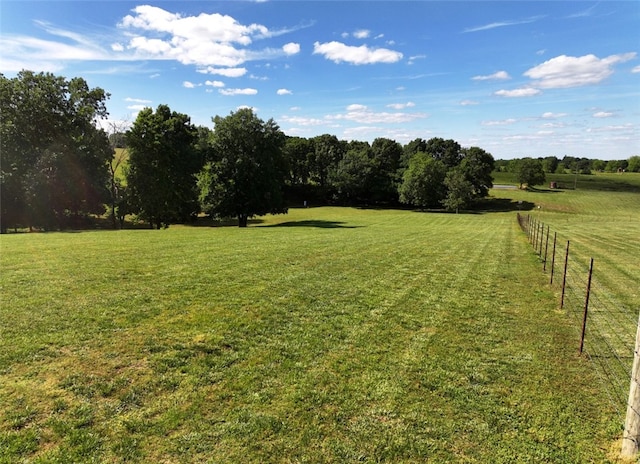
[325,335]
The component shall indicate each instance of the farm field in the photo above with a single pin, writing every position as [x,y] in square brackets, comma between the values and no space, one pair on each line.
[325,335]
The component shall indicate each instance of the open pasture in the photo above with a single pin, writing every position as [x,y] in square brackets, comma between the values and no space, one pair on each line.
[325,335]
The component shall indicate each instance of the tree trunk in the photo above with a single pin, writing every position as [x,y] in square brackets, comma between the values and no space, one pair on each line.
[242,220]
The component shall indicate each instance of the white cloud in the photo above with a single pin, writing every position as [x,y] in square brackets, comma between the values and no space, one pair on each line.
[339,52]
[232,92]
[550,115]
[504,122]
[214,83]
[284,92]
[136,100]
[226,72]
[516,22]
[291,48]
[497,76]
[206,40]
[523,92]
[400,106]
[412,59]
[363,115]
[569,71]
[137,107]
[189,85]
[636,69]
[468,102]
[117,47]
[302,121]
[602,114]
[362,33]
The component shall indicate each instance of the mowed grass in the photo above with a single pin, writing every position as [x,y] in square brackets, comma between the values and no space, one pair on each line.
[325,335]
[600,223]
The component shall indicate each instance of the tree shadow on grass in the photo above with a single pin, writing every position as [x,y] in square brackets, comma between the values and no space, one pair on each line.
[229,222]
[321,224]
[502,205]
[488,205]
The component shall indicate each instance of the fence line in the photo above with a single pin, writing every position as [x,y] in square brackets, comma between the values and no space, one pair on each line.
[607,329]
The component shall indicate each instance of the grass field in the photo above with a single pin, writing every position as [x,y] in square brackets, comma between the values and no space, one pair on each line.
[325,335]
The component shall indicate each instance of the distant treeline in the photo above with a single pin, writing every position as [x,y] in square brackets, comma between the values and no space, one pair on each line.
[555,165]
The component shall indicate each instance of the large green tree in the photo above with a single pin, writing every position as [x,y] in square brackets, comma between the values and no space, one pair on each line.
[54,161]
[447,151]
[163,162]
[423,182]
[245,176]
[477,166]
[529,171]
[460,191]
[634,164]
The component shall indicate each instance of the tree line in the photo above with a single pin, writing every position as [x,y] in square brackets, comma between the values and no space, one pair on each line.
[58,169]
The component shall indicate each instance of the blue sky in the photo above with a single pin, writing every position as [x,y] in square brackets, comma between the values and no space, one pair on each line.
[516,78]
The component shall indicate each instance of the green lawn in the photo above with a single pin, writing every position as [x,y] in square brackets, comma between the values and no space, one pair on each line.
[325,335]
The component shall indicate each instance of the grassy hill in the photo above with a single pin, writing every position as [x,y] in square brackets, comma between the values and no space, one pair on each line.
[325,335]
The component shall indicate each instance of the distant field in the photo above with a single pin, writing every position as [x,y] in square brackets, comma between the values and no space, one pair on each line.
[325,335]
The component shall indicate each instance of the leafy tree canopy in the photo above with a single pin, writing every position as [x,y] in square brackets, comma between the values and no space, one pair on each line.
[53,159]
[163,161]
[245,177]
[529,171]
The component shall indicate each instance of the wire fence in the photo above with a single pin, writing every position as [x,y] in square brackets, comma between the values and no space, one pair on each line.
[607,328]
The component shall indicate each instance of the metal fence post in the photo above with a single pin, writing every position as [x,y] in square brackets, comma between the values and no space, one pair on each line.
[553,257]
[586,307]
[546,250]
[564,277]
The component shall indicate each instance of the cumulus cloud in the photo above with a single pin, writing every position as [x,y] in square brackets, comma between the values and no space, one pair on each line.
[214,83]
[636,69]
[550,115]
[291,48]
[362,34]
[206,40]
[189,85]
[284,92]
[233,92]
[339,52]
[515,93]
[497,76]
[602,114]
[570,71]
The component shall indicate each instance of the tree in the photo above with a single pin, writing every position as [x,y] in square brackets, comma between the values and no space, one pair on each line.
[447,151]
[422,182]
[477,166]
[163,162]
[550,164]
[529,171]
[246,175]
[328,150]
[460,191]
[387,157]
[53,159]
[634,164]
[353,177]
